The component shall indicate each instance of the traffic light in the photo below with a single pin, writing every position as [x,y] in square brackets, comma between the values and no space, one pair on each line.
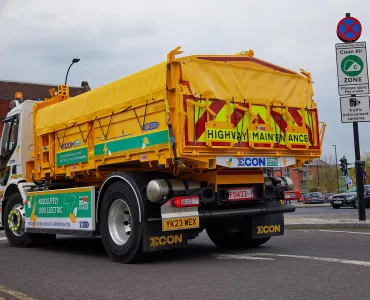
[343,166]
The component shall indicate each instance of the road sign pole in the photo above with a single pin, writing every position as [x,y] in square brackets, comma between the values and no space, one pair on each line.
[359,175]
[353,79]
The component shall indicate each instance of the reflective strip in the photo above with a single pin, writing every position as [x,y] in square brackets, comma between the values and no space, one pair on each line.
[242,120]
[200,123]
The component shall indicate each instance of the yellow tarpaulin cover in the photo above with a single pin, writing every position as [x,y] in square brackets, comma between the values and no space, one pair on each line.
[211,79]
[104,100]
[229,80]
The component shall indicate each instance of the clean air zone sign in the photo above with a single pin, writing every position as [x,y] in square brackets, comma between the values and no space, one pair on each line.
[352,69]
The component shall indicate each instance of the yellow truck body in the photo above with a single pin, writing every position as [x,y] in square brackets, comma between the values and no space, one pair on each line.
[181,115]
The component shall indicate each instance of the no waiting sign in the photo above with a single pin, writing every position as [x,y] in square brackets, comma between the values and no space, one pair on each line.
[349,29]
[352,69]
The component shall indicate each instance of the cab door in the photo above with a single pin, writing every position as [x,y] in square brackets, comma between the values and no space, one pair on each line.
[8,156]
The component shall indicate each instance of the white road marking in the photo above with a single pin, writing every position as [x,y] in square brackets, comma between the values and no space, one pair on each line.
[3,239]
[326,259]
[239,256]
[309,209]
[344,231]
[252,256]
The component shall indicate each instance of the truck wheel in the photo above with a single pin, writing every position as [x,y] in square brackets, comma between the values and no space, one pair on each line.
[120,228]
[14,223]
[226,236]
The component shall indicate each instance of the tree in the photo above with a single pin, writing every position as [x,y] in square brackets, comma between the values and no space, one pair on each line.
[324,176]
[366,157]
[352,172]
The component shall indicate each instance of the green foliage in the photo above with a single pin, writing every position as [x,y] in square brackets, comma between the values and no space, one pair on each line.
[325,177]
[352,172]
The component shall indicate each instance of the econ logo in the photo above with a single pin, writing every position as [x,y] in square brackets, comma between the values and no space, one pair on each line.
[229,162]
[268,229]
[70,145]
[257,162]
[156,241]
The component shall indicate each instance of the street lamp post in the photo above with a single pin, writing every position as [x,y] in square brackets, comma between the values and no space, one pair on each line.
[318,176]
[336,166]
[75,60]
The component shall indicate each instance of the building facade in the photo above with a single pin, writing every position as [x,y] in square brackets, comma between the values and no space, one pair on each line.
[301,176]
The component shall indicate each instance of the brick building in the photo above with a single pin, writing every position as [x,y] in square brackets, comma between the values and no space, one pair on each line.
[30,91]
[301,176]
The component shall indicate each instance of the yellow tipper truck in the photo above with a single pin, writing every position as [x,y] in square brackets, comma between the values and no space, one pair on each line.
[150,161]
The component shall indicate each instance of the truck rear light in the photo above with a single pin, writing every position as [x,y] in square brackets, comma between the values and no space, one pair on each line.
[185,201]
[292,195]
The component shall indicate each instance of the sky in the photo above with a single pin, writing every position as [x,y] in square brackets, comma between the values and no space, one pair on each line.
[113,39]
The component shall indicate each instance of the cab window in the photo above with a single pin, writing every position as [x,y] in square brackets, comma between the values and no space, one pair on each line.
[8,144]
[10,134]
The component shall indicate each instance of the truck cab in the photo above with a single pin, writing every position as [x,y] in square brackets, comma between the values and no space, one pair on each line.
[16,146]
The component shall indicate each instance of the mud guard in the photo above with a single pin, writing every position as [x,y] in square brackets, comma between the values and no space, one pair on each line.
[267,226]
[155,239]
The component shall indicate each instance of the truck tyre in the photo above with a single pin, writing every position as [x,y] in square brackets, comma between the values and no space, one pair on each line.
[120,227]
[227,236]
[14,223]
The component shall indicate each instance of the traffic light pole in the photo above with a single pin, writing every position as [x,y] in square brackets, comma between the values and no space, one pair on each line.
[359,175]
[344,168]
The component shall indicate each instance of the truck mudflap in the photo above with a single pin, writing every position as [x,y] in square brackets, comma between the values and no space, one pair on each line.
[155,239]
[268,226]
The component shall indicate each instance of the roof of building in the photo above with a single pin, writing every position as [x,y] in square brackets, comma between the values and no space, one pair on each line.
[319,162]
[31,90]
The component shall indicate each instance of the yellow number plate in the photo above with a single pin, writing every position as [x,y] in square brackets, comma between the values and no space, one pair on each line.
[180,223]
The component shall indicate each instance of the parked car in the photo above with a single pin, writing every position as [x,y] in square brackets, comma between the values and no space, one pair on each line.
[315,197]
[303,195]
[327,197]
[349,198]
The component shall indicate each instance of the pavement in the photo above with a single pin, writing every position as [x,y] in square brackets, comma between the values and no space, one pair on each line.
[300,204]
[325,217]
[302,264]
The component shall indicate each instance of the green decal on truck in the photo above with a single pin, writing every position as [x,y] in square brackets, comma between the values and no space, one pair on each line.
[130,143]
[72,157]
[61,209]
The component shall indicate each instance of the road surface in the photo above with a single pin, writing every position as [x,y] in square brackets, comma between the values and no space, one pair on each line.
[327,212]
[300,265]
